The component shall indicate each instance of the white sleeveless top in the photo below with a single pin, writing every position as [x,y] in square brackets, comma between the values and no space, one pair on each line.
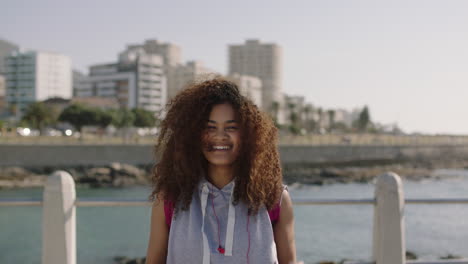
[212,221]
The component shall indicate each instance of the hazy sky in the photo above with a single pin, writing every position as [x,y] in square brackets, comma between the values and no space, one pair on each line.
[406,60]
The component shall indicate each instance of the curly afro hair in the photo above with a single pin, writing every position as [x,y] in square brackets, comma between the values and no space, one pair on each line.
[181,163]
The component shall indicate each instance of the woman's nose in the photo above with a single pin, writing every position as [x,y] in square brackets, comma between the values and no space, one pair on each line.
[221,133]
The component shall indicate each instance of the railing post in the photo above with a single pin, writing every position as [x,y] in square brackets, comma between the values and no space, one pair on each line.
[59,220]
[389,229]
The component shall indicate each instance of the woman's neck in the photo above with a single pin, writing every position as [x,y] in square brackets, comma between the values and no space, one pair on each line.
[220,176]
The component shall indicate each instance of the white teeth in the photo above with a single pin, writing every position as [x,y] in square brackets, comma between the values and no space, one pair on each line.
[220,147]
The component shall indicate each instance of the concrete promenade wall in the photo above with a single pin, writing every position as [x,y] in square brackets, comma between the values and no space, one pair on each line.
[98,155]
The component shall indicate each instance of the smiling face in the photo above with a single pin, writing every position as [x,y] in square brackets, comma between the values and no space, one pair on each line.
[221,137]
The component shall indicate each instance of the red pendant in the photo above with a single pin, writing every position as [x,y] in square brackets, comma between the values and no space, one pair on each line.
[221,250]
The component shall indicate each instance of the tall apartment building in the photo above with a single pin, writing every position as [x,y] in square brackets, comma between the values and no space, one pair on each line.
[6,48]
[262,60]
[2,95]
[181,75]
[2,86]
[171,53]
[35,76]
[137,80]
[249,86]
[172,62]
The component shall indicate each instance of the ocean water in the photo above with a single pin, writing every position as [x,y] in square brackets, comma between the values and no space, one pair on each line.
[331,232]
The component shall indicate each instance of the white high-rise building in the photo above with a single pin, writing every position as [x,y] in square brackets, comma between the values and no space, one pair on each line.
[2,94]
[172,62]
[181,75]
[36,76]
[2,86]
[137,80]
[171,53]
[249,86]
[262,60]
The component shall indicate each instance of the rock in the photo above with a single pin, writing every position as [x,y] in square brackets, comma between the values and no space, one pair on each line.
[100,174]
[411,255]
[119,170]
[123,181]
[15,173]
[98,171]
[16,177]
[450,256]
[332,173]
[115,166]
[126,260]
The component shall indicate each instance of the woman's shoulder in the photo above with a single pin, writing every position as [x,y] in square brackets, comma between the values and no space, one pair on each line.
[274,213]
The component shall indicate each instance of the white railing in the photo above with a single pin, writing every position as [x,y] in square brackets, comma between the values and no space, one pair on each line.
[59,218]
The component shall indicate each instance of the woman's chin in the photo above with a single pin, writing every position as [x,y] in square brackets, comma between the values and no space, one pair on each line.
[220,162]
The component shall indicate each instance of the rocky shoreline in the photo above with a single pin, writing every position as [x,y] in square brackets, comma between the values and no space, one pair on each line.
[113,175]
[366,171]
[125,175]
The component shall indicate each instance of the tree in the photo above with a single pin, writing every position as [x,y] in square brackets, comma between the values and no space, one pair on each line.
[294,119]
[331,119]
[364,121]
[123,118]
[143,118]
[38,115]
[79,115]
[320,119]
[293,127]
[274,111]
[103,118]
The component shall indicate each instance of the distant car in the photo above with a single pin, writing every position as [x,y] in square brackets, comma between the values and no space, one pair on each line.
[27,132]
[52,132]
[68,132]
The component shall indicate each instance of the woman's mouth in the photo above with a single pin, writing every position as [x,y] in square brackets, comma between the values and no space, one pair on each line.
[220,147]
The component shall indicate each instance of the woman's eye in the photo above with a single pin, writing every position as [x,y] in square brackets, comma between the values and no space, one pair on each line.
[232,128]
[210,127]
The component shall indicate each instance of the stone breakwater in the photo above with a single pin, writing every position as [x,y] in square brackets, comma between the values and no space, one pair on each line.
[112,175]
[294,174]
[366,171]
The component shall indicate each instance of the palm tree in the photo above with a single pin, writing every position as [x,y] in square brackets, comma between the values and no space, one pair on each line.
[320,119]
[331,119]
[275,111]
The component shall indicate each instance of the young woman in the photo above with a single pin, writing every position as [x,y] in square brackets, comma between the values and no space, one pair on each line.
[218,193]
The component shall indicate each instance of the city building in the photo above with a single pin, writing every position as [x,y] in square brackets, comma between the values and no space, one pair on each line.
[137,80]
[171,60]
[249,86]
[2,95]
[2,86]
[171,53]
[6,48]
[262,60]
[181,75]
[35,76]
[79,82]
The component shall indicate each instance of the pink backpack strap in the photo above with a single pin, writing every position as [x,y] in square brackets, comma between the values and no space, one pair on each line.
[275,212]
[168,212]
